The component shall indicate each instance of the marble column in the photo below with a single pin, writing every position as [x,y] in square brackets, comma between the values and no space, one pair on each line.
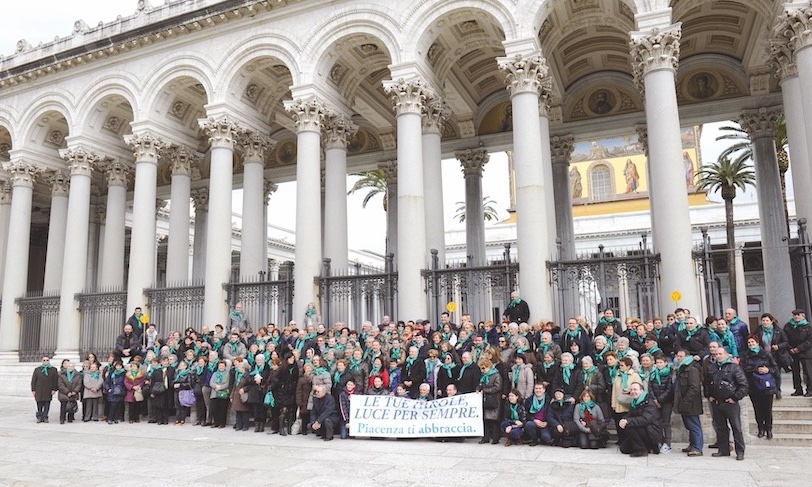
[94,229]
[200,197]
[269,188]
[524,75]
[57,228]
[101,217]
[786,70]
[642,138]
[223,134]
[655,55]
[337,131]
[182,160]
[80,162]
[5,217]
[473,163]
[309,119]
[760,126]
[561,148]
[435,114]
[547,164]
[409,97]
[141,274]
[390,170]
[254,238]
[15,282]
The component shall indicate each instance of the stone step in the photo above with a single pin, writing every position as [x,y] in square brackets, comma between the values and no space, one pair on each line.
[787,426]
[788,401]
[784,439]
[781,412]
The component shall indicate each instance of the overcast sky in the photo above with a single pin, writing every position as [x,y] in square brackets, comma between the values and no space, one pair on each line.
[41,20]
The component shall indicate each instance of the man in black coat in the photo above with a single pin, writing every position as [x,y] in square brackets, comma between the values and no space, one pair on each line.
[799,337]
[468,375]
[726,385]
[44,383]
[127,344]
[642,425]
[135,322]
[688,400]
[517,311]
[324,415]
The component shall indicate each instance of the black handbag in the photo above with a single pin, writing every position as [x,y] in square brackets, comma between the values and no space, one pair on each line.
[490,401]
[71,407]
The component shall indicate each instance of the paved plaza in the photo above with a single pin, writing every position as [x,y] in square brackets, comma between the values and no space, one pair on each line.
[98,454]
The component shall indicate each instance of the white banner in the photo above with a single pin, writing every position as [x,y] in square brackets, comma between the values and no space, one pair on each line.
[394,417]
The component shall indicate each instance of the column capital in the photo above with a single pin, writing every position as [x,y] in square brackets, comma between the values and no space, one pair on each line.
[59,180]
[782,59]
[200,197]
[270,188]
[22,173]
[561,148]
[473,161]
[307,115]
[794,27]
[523,73]
[761,122]
[653,50]
[118,172]
[159,205]
[5,193]
[390,171]
[222,131]
[254,146]
[99,215]
[642,136]
[147,147]
[183,160]
[80,160]
[435,113]
[407,96]
[338,130]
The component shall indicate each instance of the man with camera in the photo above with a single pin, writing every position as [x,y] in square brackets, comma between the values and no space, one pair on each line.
[726,385]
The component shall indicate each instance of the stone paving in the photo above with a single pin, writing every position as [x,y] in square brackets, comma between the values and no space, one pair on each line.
[98,454]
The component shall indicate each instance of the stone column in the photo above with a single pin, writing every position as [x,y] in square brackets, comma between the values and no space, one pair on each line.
[309,118]
[547,164]
[337,131]
[94,232]
[561,148]
[5,216]
[223,134]
[390,169]
[57,228]
[473,162]
[435,114]
[269,188]
[786,70]
[15,282]
[80,162]
[760,126]
[201,200]
[409,97]
[655,54]
[101,217]
[524,76]
[112,261]
[141,274]
[254,236]
[182,160]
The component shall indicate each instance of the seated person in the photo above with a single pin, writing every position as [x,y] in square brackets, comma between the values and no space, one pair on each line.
[513,419]
[642,426]
[536,427]
[324,416]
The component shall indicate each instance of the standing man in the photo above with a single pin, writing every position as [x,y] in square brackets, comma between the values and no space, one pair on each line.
[127,344]
[517,311]
[135,322]
[44,383]
[688,400]
[739,328]
[799,336]
[237,319]
[726,385]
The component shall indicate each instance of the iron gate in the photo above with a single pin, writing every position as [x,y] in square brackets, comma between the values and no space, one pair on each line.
[264,301]
[359,295]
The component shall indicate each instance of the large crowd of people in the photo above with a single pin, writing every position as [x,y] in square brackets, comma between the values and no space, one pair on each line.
[540,384]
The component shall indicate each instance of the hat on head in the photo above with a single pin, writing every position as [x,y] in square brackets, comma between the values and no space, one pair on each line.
[652,337]
[798,312]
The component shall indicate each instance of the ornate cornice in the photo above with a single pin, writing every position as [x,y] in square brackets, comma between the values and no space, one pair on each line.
[146,146]
[523,74]
[761,123]
[782,59]
[435,113]
[794,28]
[59,180]
[654,50]
[80,160]
[308,116]
[337,131]
[407,96]
[561,148]
[473,161]
[222,132]
[22,173]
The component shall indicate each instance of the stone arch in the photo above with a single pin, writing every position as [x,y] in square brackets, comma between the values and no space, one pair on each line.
[540,11]
[120,85]
[593,171]
[188,65]
[341,73]
[725,78]
[8,121]
[251,49]
[57,102]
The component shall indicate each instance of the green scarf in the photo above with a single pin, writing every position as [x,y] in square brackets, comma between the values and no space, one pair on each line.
[681,325]
[235,347]
[375,370]
[336,377]
[624,380]
[651,351]
[95,375]
[299,345]
[257,370]
[640,400]
[515,303]
[355,365]
[236,315]
[686,361]
[622,354]
[321,371]
[117,372]
[573,334]
[449,369]
[514,412]
[566,372]
[199,369]
[217,345]
[430,365]
[487,375]
[181,374]
[462,370]
[767,335]
[219,376]
[44,368]
[724,362]
[547,365]
[599,355]
[395,354]
[517,369]
[613,372]
[756,350]
[409,362]
[545,348]
[538,404]
[213,365]
[587,405]
[798,324]
[133,374]
[659,375]
[588,373]
[603,321]
[250,358]
[70,374]
[691,333]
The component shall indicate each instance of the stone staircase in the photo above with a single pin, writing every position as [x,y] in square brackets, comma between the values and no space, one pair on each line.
[792,421]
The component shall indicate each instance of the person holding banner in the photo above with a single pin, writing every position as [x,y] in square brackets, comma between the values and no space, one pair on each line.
[490,385]
[447,375]
[413,372]
[513,421]
[324,415]
[344,409]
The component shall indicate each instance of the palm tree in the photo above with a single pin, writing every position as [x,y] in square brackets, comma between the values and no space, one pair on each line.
[742,150]
[726,175]
[487,205]
[375,181]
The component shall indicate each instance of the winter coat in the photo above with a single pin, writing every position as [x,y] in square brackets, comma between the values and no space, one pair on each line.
[549,376]
[468,379]
[730,373]
[801,338]
[594,384]
[667,341]
[662,392]
[584,342]
[779,338]
[256,392]
[324,408]
[321,380]
[92,386]
[493,386]
[114,385]
[697,345]
[44,384]
[617,389]
[578,416]
[303,387]
[230,354]
[524,382]
[130,384]
[554,348]
[688,391]
[750,362]
[237,404]
[647,416]
[73,386]
[284,387]
[520,409]
[360,376]
[561,414]
[416,373]
[214,382]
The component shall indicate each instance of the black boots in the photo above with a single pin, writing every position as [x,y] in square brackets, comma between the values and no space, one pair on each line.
[283,424]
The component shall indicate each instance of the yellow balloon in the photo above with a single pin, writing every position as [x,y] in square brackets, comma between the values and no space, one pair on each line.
[451,307]
[676,296]
[144,319]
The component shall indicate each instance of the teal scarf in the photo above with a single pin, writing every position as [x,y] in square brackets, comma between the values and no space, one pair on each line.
[515,303]
[236,315]
[117,372]
[517,370]
[321,371]
[651,351]
[462,370]
[395,354]
[686,361]
[199,369]
[375,370]
[640,400]
[213,365]
[798,324]
[44,369]
[181,374]
[514,412]
[70,374]
[724,362]
[573,334]
[257,370]
[756,350]
[430,365]
[219,377]
[355,365]
[566,372]
[612,372]
[449,369]
[95,375]
[588,373]
[487,375]
[767,335]
[336,377]
[624,380]
[409,362]
[658,375]
[587,405]
[691,333]
[538,404]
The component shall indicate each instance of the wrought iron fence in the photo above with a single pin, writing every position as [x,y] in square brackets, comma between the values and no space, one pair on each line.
[712,287]
[800,253]
[103,317]
[483,292]
[265,301]
[626,281]
[175,308]
[38,328]
[358,294]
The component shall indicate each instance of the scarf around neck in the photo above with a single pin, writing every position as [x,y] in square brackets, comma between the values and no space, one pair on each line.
[487,375]
[640,400]
[566,372]
[658,375]
[538,404]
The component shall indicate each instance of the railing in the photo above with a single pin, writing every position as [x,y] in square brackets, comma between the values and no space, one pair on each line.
[626,281]
[103,317]
[39,324]
[357,294]
[176,308]
[264,301]
[483,292]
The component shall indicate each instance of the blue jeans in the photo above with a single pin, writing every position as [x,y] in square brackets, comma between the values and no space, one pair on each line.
[694,426]
[544,435]
[515,432]
[342,428]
